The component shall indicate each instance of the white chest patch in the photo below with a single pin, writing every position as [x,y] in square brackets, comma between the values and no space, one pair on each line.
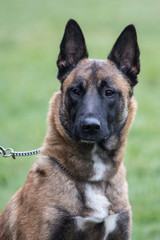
[99,168]
[98,203]
[110,224]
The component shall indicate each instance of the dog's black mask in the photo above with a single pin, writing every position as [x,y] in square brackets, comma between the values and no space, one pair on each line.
[92,110]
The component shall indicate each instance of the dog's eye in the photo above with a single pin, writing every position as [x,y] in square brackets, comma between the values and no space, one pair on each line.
[76,91]
[109,93]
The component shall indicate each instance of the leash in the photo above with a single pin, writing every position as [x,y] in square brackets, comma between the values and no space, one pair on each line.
[9,152]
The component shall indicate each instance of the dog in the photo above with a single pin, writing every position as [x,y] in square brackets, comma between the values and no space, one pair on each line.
[77,189]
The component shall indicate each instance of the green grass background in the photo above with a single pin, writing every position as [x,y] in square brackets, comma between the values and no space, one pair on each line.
[30,34]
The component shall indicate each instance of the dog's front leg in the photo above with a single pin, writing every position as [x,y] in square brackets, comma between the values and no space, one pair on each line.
[63,227]
[122,228]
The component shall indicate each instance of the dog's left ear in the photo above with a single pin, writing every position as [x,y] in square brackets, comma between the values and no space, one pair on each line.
[125,54]
[72,49]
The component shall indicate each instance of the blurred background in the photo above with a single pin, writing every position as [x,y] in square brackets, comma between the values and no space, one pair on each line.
[30,34]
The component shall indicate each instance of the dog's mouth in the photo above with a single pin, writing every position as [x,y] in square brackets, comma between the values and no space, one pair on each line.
[87,141]
[95,140]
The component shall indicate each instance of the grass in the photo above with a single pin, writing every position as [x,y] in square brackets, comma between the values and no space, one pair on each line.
[30,34]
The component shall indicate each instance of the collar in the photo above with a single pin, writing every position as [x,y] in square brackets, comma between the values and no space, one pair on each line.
[61,166]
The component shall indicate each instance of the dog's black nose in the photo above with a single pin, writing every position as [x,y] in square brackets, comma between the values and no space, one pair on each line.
[91,126]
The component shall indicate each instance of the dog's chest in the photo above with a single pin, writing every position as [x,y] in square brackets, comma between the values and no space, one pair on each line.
[99,168]
[96,211]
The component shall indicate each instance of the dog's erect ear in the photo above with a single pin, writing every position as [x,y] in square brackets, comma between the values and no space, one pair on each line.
[125,54]
[72,49]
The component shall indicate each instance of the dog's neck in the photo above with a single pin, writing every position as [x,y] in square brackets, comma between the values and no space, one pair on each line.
[85,161]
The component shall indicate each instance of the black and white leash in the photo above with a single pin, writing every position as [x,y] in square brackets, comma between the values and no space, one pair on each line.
[9,152]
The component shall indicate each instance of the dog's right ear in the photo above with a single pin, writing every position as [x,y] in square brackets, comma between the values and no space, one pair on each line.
[72,49]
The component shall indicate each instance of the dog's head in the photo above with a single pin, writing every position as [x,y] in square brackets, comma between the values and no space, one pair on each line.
[96,93]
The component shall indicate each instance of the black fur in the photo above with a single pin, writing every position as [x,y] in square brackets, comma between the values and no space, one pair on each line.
[62,227]
[125,54]
[122,229]
[72,49]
